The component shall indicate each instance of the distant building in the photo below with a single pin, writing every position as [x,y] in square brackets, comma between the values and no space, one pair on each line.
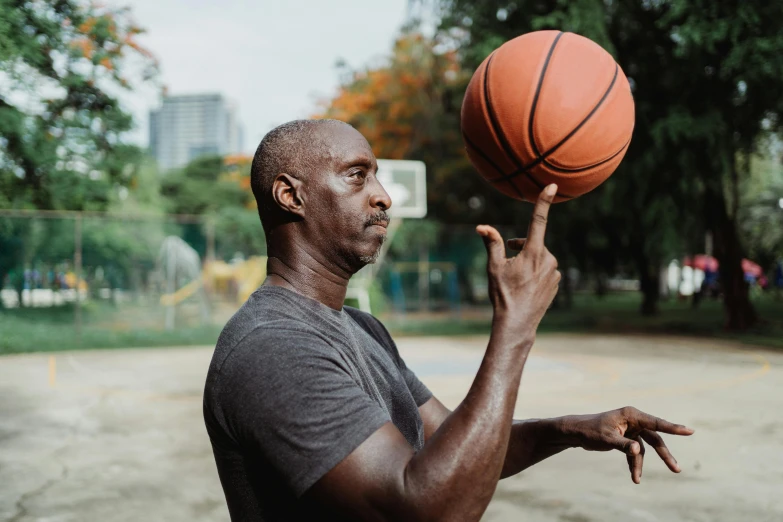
[188,126]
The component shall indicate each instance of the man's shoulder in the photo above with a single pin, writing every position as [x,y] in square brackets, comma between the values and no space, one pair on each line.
[364,319]
[361,317]
[258,332]
[373,326]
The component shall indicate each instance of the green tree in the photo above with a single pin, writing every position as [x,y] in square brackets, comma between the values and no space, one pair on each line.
[61,125]
[708,82]
[633,219]
[729,60]
[219,189]
[761,216]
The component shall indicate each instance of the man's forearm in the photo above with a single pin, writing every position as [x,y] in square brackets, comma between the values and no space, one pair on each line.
[455,474]
[532,441]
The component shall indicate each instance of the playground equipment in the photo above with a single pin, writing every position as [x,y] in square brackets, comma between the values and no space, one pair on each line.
[235,281]
[185,278]
[181,268]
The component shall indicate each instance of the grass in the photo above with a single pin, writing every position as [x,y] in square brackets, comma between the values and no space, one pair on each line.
[52,329]
[619,313]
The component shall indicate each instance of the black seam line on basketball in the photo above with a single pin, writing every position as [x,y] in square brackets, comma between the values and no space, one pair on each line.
[570,134]
[582,169]
[482,154]
[495,127]
[530,118]
[503,143]
[500,171]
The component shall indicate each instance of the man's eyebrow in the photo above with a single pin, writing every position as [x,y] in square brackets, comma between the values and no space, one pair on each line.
[364,161]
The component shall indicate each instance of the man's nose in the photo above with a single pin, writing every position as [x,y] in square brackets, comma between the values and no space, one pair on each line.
[379,198]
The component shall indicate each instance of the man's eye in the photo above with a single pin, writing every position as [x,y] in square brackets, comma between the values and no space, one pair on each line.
[357,174]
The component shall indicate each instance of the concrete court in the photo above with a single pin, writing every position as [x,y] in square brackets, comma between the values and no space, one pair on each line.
[117,435]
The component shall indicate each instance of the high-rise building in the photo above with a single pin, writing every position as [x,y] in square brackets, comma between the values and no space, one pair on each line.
[188,126]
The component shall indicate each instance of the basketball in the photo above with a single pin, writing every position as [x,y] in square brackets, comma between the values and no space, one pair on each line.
[547,107]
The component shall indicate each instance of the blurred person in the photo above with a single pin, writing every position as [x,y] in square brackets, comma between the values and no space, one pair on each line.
[686,282]
[311,411]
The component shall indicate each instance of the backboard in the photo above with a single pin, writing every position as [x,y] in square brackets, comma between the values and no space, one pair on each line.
[406,183]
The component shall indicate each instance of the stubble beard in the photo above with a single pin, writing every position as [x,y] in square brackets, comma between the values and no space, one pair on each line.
[368,260]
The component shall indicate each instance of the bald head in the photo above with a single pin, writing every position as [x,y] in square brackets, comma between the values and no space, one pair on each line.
[297,148]
[317,190]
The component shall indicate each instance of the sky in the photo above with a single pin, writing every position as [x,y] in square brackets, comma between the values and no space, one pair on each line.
[273,58]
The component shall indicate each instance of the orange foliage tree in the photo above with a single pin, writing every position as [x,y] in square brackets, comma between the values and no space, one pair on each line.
[237,170]
[408,108]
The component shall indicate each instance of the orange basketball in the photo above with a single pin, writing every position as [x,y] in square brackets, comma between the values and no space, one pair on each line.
[547,107]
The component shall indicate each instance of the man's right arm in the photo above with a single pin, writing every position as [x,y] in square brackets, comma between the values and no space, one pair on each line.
[455,474]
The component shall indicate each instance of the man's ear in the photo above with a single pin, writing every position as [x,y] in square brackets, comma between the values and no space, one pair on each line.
[287,191]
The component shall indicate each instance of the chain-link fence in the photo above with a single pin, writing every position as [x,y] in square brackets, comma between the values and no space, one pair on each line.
[73,279]
[81,279]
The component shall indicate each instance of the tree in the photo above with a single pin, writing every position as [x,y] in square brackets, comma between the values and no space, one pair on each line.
[729,56]
[707,80]
[61,127]
[219,189]
[60,124]
[761,215]
[634,217]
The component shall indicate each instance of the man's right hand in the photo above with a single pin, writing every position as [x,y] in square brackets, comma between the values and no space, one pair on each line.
[522,287]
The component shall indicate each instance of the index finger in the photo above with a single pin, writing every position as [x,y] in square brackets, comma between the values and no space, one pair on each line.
[535,236]
[650,422]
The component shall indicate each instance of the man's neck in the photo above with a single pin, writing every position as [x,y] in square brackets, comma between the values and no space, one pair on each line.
[304,273]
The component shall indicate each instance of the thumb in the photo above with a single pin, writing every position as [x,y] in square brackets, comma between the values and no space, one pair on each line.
[628,446]
[496,251]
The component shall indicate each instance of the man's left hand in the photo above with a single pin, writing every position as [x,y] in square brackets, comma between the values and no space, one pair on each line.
[626,430]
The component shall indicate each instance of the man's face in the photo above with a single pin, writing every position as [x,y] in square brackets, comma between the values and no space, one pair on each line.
[345,209]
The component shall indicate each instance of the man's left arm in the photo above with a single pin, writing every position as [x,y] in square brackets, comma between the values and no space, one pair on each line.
[531,441]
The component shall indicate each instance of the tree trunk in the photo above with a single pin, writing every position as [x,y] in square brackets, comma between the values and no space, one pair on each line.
[650,286]
[600,285]
[649,279]
[568,288]
[740,313]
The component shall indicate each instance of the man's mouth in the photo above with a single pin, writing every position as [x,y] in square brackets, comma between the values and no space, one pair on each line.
[380,220]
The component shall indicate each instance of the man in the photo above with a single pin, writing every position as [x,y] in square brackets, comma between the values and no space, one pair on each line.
[311,411]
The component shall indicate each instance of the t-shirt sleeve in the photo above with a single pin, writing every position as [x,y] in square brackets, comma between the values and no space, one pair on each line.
[289,397]
[421,394]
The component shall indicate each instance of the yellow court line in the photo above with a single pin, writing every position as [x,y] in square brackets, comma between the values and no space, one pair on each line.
[52,371]
[149,395]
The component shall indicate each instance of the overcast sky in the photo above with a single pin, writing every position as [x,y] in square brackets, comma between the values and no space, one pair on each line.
[273,58]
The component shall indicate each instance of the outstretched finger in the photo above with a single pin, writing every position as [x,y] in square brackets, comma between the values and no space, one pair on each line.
[494,243]
[650,422]
[535,236]
[655,440]
[517,243]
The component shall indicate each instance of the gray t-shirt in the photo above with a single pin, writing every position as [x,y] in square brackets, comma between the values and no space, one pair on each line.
[293,388]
